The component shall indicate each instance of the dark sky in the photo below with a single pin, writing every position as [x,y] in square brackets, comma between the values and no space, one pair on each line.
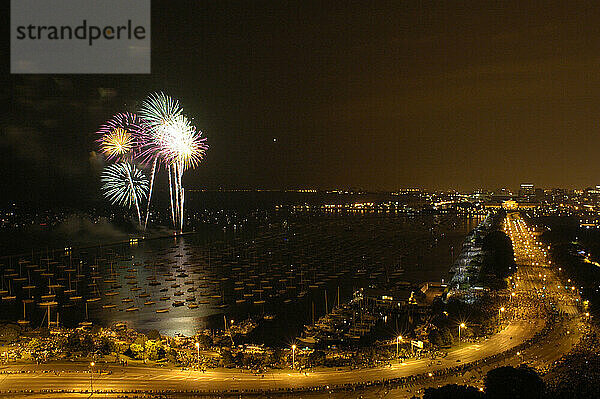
[378,95]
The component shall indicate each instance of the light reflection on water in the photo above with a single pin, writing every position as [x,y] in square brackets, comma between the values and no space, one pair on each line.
[289,267]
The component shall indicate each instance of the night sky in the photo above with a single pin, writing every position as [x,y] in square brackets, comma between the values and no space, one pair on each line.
[377,96]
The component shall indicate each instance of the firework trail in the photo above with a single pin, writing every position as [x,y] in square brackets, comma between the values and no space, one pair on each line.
[171,196]
[150,192]
[157,110]
[182,147]
[125,185]
[173,140]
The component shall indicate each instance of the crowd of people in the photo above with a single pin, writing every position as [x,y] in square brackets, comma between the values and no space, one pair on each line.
[577,373]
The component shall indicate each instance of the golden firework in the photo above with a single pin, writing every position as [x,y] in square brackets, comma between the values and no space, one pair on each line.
[116,143]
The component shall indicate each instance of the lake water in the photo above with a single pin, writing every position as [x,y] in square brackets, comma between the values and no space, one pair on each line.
[281,270]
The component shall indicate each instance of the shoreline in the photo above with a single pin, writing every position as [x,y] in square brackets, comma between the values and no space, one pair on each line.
[397,374]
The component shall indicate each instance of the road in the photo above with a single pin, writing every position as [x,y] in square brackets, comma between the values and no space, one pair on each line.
[70,376]
[535,278]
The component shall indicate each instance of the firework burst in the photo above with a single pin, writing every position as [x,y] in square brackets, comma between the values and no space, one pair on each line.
[120,136]
[171,139]
[117,143]
[125,185]
[160,135]
[178,142]
[159,108]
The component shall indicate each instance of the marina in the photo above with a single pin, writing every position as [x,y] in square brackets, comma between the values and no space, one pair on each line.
[286,274]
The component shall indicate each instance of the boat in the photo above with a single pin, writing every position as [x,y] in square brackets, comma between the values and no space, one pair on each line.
[307,340]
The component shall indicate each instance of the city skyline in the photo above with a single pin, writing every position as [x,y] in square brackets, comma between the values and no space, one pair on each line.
[379,97]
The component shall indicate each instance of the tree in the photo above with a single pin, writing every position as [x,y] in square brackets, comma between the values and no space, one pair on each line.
[87,344]
[277,357]
[74,342]
[227,359]
[205,341]
[316,358]
[172,355]
[453,391]
[137,350]
[103,345]
[35,345]
[9,332]
[141,339]
[499,254]
[153,335]
[447,337]
[154,350]
[509,382]
[435,338]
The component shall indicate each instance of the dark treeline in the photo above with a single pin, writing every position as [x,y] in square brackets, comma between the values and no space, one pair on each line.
[496,264]
[498,261]
[520,382]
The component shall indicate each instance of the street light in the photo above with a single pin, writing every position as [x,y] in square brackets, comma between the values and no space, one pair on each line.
[500,311]
[460,326]
[92,376]
[198,353]
[293,355]
[398,339]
